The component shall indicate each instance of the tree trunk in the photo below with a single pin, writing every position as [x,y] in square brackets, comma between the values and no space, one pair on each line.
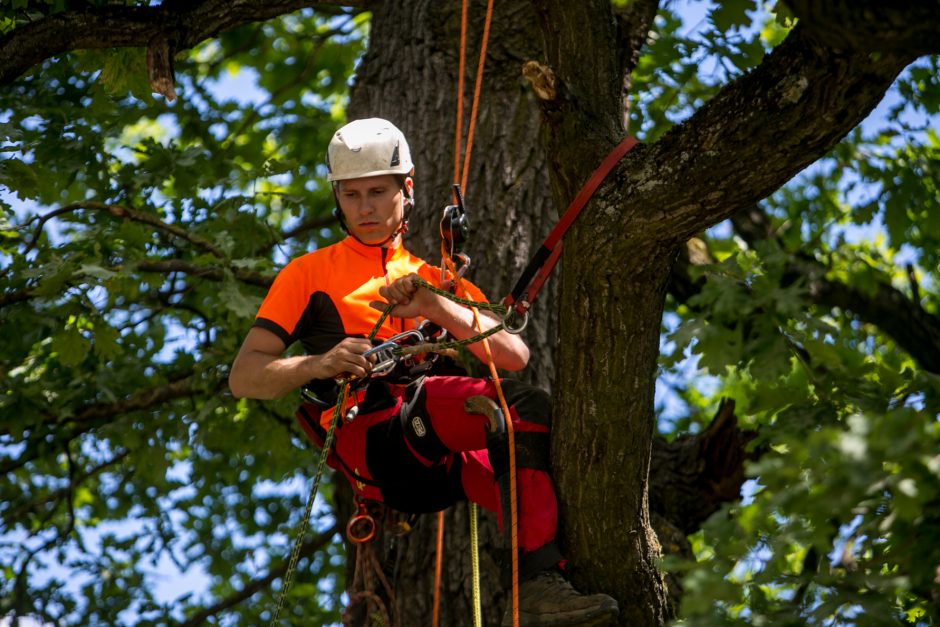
[409,76]
[606,413]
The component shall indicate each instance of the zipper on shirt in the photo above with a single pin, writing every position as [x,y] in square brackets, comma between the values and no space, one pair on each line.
[401,321]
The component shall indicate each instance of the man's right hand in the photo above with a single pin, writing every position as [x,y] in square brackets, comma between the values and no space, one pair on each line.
[346,358]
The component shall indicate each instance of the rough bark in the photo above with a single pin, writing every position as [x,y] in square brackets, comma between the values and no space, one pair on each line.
[750,139]
[412,81]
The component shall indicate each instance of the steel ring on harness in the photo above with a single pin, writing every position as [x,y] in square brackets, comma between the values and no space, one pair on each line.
[361,528]
[511,319]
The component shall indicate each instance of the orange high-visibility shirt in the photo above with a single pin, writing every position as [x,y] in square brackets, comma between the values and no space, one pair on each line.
[323,297]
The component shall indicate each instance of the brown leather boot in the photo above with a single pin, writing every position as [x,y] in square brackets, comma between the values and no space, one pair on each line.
[548,600]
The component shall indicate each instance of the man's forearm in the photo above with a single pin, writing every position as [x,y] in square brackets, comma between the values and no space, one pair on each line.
[263,376]
[509,351]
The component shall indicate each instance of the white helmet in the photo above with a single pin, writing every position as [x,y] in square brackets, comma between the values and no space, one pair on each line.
[368,147]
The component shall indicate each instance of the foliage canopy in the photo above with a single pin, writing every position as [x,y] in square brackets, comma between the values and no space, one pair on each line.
[137,238]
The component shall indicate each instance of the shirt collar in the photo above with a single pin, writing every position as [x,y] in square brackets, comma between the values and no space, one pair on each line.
[394,250]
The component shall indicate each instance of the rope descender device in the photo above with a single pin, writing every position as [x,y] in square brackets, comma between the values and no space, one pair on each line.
[455,231]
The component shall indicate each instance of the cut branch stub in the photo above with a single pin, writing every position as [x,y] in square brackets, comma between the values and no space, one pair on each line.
[160,67]
[542,79]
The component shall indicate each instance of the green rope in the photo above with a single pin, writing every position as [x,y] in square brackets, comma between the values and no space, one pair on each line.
[324,454]
[337,410]
[295,552]
[482,305]
[475,566]
[437,347]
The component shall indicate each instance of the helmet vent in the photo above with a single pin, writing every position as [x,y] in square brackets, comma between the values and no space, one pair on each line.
[395,159]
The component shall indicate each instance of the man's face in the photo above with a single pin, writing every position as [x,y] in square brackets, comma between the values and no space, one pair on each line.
[372,206]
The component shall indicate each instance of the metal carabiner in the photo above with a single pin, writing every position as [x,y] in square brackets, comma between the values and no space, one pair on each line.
[384,358]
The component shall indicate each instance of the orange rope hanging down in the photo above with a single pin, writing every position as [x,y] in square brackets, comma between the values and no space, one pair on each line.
[463,174]
[458,138]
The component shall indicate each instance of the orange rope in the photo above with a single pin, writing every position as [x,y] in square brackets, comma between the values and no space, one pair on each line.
[476,94]
[462,68]
[438,566]
[513,501]
[463,175]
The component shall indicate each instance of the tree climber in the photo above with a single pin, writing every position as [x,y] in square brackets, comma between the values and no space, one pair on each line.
[413,445]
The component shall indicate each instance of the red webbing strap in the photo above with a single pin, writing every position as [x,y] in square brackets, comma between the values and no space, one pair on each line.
[542,275]
[545,258]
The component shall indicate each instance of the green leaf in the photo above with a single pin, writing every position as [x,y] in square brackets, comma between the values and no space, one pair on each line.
[71,347]
[732,14]
[19,177]
[106,342]
[235,300]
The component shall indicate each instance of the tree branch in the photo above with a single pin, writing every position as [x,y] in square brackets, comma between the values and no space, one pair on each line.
[756,134]
[693,475]
[889,309]
[212,273]
[32,506]
[92,415]
[185,25]
[908,27]
[123,212]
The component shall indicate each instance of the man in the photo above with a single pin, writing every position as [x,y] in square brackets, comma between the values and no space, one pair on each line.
[412,445]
